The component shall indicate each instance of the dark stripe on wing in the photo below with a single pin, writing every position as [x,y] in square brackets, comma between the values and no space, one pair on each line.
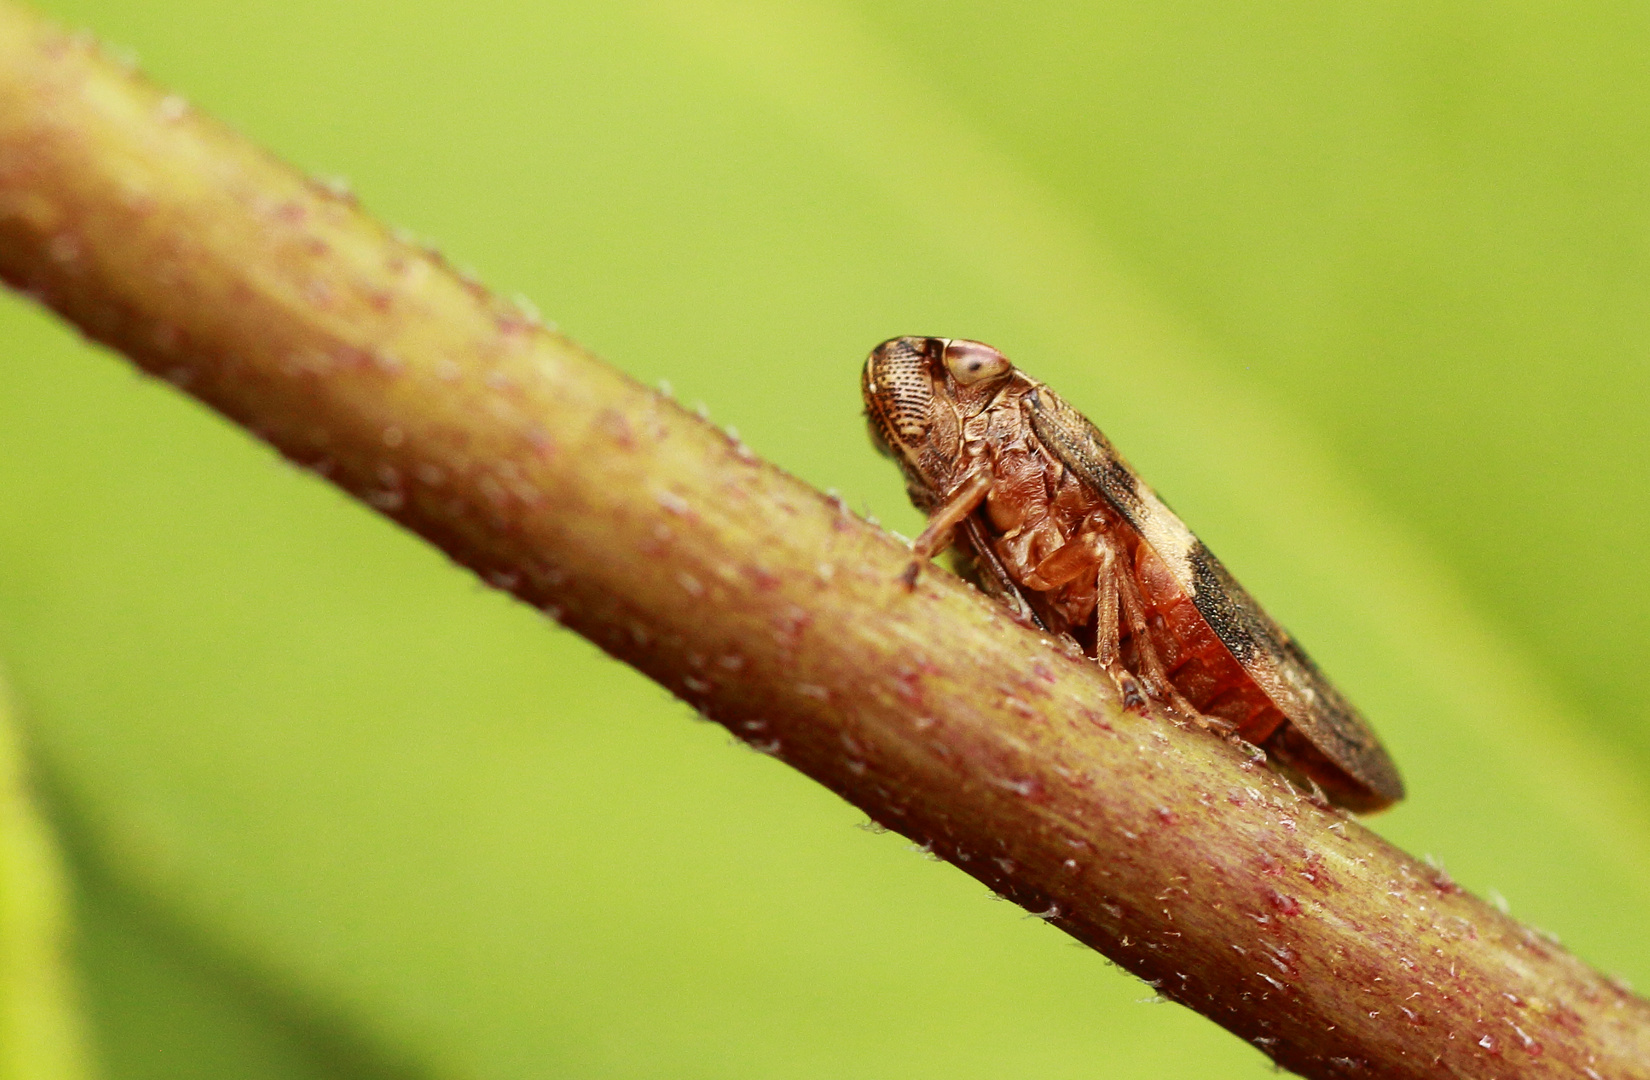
[1088,453]
[1331,724]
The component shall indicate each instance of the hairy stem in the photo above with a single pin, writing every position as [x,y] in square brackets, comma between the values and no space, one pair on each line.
[758,600]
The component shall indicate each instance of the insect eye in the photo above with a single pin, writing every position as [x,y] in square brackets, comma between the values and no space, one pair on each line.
[970,362]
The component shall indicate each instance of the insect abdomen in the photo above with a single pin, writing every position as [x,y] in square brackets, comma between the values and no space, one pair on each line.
[1199,664]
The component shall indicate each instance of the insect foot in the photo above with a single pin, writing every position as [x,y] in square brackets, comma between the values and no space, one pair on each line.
[1214,724]
[1129,688]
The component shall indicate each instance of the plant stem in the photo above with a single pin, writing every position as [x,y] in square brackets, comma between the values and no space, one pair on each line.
[761,602]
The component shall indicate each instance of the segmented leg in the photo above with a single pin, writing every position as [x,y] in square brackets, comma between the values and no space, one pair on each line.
[942,523]
[1108,644]
[1151,665]
[994,578]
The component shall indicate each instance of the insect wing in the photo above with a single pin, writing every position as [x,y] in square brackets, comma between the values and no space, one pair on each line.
[1328,726]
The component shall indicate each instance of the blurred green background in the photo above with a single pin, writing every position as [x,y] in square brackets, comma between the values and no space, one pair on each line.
[1363,289]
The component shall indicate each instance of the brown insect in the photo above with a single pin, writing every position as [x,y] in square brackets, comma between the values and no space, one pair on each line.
[1046,516]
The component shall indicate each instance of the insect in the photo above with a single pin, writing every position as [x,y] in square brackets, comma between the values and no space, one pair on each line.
[1047,517]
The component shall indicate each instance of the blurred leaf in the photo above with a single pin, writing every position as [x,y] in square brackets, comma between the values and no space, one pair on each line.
[470,838]
[167,1005]
[41,1031]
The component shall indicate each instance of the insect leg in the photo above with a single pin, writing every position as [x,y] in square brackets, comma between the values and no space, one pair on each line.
[1134,608]
[1073,559]
[1108,648]
[994,579]
[944,521]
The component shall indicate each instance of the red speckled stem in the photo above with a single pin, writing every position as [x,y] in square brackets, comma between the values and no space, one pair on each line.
[760,601]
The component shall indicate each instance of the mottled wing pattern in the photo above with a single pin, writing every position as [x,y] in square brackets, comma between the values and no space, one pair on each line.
[1328,722]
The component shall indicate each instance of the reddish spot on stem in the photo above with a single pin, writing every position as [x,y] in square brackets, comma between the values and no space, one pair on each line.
[789,625]
[616,427]
[908,686]
[541,442]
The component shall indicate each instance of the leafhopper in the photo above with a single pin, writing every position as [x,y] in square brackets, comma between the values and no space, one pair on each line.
[1046,516]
